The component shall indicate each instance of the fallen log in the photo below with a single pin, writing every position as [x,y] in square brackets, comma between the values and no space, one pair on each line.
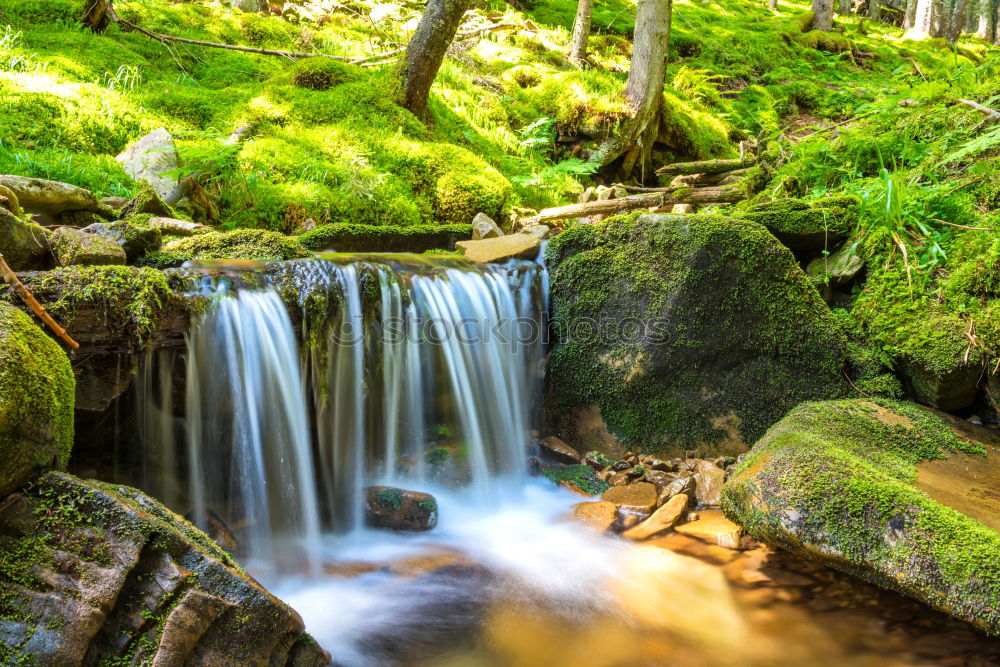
[705,166]
[727,194]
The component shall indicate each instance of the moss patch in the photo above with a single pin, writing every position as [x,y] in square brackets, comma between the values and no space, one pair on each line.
[256,244]
[390,238]
[579,475]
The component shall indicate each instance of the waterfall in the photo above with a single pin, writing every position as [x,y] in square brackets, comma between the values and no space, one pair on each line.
[416,372]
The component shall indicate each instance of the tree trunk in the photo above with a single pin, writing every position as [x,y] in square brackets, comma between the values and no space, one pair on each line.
[845,8]
[581,32]
[957,21]
[772,5]
[923,20]
[95,15]
[643,90]
[425,52]
[822,15]
[705,166]
[874,10]
[939,17]
[910,14]
[984,20]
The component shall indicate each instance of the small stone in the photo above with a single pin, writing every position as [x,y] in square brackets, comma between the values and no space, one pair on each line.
[619,479]
[135,240]
[483,227]
[176,227]
[24,245]
[639,497]
[683,483]
[838,269]
[559,450]
[74,247]
[661,520]
[600,515]
[709,479]
[714,528]
[519,246]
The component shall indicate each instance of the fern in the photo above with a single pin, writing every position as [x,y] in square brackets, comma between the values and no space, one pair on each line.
[974,146]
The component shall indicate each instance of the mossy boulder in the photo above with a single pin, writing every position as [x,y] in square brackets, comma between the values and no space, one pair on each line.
[259,244]
[36,401]
[135,238]
[101,574]
[676,333]
[896,494]
[74,247]
[807,226]
[346,237]
[24,245]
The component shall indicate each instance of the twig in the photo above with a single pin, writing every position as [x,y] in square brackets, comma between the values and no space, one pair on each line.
[32,303]
[848,378]
[988,112]
[963,185]
[955,224]
[916,66]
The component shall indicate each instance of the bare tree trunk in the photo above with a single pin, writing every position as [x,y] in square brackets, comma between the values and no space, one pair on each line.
[910,14]
[939,17]
[643,89]
[874,10]
[957,21]
[581,32]
[772,5]
[822,15]
[984,20]
[425,52]
[845,7]
[923,20]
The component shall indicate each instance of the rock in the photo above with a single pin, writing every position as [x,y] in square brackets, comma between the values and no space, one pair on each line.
[146,201]
[708,479]
[512,246]
[36,402]
[135,239]
[24,245]
[9,201]
[713,527]
[105,574]
[483,227]
[541,231]
[888,491]
[600,515]
[684,332]
[949,389]
[807,226]
[638,497]
[659,479]
[114,203]
[37,195]
[218,530]
[255,6]
[102,379]
[75,247]
[683,483]
[148,158]
[661,520]
[559,450]
[399,509]
[385,238]
[176,227]
[839,269]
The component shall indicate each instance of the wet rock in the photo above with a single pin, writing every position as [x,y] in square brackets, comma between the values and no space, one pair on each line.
[512,246]
[713,527]
[639,497]
[839,269]
[483,227]
[619,478]
[888,491]
[75,247]
[343,237]
[24,245]
[559,450]
[597,460]
[656,464]
[37,195]
[400,509]
[107,574]
[683,482]
[36,402]
[708,479]
[148,158]
[136,240]
[952,390]
[102,379]
[660,521]
[659,479]
[600,515]
[217,529]
[665,347]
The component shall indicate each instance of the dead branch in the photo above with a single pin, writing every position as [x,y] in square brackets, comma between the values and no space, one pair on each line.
[705,166]
[11,278]
[988,112]
[727,194]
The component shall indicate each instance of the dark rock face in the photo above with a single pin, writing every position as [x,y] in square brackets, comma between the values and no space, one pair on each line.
[682,333]
[867,487]
[97,572]
[399,509]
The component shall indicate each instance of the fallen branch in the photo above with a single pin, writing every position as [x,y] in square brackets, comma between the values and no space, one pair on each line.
[728,194]
[988,112]
[11,278]
[705,166]
[955,224]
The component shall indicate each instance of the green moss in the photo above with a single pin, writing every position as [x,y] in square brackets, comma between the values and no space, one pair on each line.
[256,244]
[831,42]
[391,498]
[437,456]
[579,475]
[428,505]
[37,392]
[834,480]
[807,224]
[323,73]
[686,332]
[373,238]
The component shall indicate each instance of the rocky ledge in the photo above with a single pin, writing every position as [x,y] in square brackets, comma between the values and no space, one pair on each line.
[95,572]
[893,493]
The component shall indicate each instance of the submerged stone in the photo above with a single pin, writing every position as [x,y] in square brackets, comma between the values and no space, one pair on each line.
[100,573]
[36,401]
[638,497]
[713,527]
[681,333]
[400,509]
[866,487]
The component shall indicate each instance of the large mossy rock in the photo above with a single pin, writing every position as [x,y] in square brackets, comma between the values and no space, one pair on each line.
[679,333]
[36,401]
[807,226]
[896,494]
[101,574]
